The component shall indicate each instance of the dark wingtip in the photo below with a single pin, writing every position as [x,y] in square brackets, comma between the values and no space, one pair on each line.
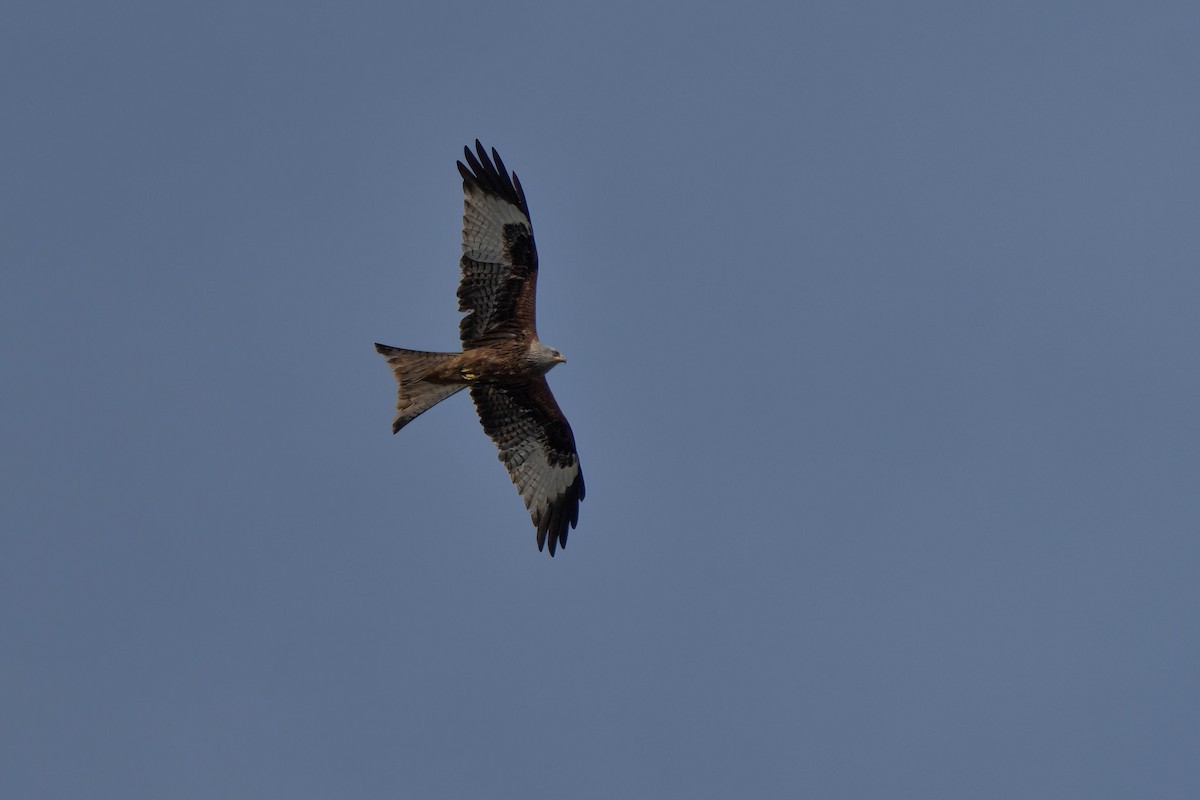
[489,174]
[499,162]
[482,156]
[556,522]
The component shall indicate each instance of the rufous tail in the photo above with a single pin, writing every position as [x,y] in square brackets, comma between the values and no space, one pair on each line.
[416,394]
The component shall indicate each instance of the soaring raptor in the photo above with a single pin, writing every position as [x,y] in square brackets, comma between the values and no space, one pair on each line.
[502,360]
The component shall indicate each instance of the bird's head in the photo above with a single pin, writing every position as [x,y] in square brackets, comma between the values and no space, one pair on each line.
[545,358]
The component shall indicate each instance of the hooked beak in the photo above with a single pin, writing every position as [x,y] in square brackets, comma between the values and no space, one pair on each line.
[560,358]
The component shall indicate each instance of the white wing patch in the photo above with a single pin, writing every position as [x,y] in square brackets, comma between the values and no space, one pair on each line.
[484,218]
[539,483]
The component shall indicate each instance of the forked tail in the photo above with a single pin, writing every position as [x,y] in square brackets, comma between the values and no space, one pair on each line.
[416,394]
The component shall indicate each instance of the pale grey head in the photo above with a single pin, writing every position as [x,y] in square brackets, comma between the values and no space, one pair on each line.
[543,358]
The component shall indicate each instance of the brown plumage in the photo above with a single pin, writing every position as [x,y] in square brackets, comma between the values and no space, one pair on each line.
[502,361]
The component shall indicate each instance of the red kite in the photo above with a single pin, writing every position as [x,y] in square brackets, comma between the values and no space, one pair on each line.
[502,360]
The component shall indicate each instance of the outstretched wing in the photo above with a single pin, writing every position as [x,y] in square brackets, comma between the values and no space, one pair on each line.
[538,449]
[499,262]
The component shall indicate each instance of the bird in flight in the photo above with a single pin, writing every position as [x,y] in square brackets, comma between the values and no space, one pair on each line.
[502,361]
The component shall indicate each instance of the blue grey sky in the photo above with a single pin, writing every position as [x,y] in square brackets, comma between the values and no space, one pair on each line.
[881,322]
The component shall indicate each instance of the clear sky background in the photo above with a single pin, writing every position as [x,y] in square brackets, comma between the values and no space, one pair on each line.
[882,331]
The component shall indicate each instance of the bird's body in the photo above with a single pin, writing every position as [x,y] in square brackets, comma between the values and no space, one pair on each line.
[502,361]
